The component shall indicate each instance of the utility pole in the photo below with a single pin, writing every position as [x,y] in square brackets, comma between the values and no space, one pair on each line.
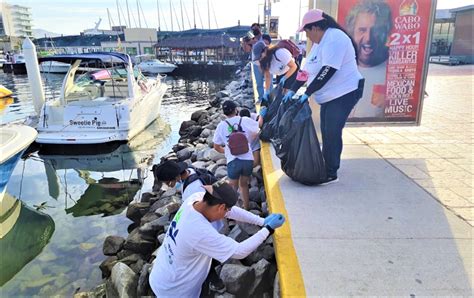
[128,12]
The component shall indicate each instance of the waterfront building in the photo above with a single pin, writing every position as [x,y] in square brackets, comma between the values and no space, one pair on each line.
[15,20]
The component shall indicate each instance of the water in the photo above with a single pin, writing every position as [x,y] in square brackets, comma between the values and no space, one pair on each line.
[68,205]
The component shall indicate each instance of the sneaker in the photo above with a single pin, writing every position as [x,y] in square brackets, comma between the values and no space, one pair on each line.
[330,180]
[217,286]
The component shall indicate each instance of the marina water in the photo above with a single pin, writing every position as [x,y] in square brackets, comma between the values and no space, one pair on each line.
[70,202]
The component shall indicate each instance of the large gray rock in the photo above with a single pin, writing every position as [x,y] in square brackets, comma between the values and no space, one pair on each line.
[237,278]
[107,265]
[124,280]
[140,243]
[222,94]
[185,125]
[212,168]
[112,245]
[262,281]
[196,116]
[238,234]
[199,164]
[168,209]
[165,201]
[184,154]
[135,211]
[264,251]
[221,172]
[143,287]
[150,216]
[249,228]
[205,133]
[215,156]
[221,162]
[254,194]
[155,227]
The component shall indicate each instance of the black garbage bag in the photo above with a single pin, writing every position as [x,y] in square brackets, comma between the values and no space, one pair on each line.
[298,146]
[270,128]
[276,95]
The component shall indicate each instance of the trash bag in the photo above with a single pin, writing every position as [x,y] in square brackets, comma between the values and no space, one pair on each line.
[276,95]
[269,128]
[298,146]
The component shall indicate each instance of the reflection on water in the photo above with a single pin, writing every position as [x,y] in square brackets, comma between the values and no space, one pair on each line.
[85,194]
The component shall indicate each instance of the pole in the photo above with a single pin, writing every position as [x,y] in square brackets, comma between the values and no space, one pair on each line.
[128,12]
[171,16]
[108,14]
[118,12]
[299,22]
[208,14]
[182,17]
[34,77]
[139,18]
[158,11]
[194,15]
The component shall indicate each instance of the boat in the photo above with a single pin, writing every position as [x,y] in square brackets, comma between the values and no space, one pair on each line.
[4,91]
[115,107]
[54,67]
[148,64]
[16,66]
[14,139]
[2,61]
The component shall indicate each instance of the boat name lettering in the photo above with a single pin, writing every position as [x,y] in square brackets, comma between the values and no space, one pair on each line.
[93,122]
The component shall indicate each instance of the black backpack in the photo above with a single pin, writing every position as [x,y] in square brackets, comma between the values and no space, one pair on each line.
[206,177]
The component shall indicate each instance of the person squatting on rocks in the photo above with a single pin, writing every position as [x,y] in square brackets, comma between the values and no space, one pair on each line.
[239,167]
[183,261]
[331,74]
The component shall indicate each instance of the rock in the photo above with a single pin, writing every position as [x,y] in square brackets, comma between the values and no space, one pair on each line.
[135,211]
[195,131]
[199,164]
[212,168]
[257,173]
[137,243]
[124,253]
[254,194]
[221,162]
[185,125]
[209,140]
[131,259]
[253,205]
[146,197]
[263,196]
[264,251]
[249,228]
[112,245]
[107,265]
[124,280]
[143,287]
[256,212]
[168,209]
[137,266]
[155,227]
[205,133]
[198,115]
[262,282]
[238,234]
[276,286]
[150,216]
[215,156]
[221,172]
[222,94]
[237,278]
[264,208]
[180,146]
[161,238]
[168,193]
[184,154]
[165,201]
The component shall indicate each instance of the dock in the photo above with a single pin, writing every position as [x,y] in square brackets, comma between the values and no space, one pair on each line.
[400,220]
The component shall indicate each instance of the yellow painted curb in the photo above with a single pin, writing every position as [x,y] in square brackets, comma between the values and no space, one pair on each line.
[291,279]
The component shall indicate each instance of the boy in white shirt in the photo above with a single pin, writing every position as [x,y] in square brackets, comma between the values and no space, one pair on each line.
[239,167]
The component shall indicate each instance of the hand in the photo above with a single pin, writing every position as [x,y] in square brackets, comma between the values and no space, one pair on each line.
[266,95]
[282,81]
[303,98]
[274,221]
[263,111]
[288,96]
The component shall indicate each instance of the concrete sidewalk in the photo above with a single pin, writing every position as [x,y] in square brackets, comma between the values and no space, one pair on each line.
[399,222]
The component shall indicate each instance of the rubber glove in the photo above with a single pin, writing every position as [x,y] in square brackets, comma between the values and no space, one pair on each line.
[303,98]
[263,111]
[266,95]
[288,96]
[276,221]
[268,218]
[282,81]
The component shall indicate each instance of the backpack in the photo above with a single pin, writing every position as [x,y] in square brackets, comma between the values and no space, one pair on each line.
[238,142]
[206,177]
[290,46]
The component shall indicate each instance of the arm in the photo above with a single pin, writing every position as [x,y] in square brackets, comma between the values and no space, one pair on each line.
[268,80]
[219,148]
[247,246]
[293,67]
[218,140]
[323,76]
[239,214]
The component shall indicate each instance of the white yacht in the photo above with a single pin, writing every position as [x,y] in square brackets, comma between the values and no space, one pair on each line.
[54,67]
[147,64]
[95,107]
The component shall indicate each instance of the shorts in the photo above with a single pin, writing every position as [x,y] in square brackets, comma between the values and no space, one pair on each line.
[239,167]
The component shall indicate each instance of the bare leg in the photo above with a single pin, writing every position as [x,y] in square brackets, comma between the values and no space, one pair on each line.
[256,158]
[244,190]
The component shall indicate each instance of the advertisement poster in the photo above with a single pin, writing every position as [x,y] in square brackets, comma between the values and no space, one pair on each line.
[392,42]
[273,29]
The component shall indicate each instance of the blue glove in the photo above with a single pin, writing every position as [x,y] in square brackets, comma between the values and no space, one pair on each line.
[303,98]
[266,95]
[268,218]
[282,81]
[288,96]
[274,221]
[263,111]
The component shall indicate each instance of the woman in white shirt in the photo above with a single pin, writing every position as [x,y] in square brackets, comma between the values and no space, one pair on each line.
[331,74]
[277,61]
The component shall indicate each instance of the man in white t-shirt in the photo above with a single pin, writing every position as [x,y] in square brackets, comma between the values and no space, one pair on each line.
[239,167]
[183,261]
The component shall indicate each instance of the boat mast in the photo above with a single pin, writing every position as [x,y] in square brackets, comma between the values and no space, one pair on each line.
[194,15]
[208,14]
[182,16]
[158,11]
[171,16]
[110,23]
[118,12]
[128,12]
[139,18]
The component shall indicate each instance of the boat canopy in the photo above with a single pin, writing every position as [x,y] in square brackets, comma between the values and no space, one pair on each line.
[104,57]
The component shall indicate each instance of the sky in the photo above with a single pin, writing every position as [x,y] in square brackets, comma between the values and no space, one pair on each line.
[71,17]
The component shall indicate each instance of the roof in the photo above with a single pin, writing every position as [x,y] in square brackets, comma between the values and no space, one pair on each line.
[76,40]
[444,14]
[236,31]
[462,8]
[199,42]
[105,57]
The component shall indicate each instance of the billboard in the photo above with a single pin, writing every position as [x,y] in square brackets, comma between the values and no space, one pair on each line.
[273,27]
[392,39]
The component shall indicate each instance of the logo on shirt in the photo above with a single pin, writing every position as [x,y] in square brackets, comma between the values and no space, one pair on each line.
[313,59]
[282,67]
[172,231]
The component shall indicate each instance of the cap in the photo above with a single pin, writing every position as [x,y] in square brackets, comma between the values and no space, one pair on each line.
[222,191]
[228,107]
[169,170]
[257,50]
[312,16]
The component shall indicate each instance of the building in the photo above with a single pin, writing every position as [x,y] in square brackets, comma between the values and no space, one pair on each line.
[136,41]
[462,47]
[443,33]
[15,20]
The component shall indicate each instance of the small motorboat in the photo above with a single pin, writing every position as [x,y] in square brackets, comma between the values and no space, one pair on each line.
[4,91]
[16,66]
[54,67]
[147,64]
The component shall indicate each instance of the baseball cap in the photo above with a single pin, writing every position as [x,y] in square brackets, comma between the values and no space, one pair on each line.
[228,107]
[312,16]
[169,170]
[222,191]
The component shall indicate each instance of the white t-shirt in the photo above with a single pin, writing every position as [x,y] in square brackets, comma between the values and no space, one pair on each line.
[184,259]
[193,187]
[335,50]
[280,66]
[373,76]
[222,133]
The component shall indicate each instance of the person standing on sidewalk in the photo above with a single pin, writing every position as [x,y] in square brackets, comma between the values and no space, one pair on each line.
[183,260]
[239,167]
[258,44]
[331,74]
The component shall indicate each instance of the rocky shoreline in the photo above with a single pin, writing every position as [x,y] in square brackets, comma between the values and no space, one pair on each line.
[126,269]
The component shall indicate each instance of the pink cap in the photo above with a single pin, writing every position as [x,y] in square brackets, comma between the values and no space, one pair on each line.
[311,16]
